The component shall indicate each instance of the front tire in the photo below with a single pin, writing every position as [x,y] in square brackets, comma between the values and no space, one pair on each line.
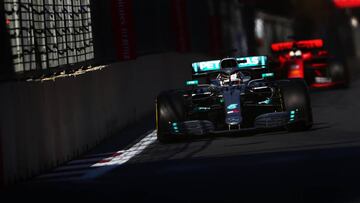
[339,73]
[169,109]
[296,98]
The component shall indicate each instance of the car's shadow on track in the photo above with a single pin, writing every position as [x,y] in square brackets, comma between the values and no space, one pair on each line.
[320,126]
[192,145]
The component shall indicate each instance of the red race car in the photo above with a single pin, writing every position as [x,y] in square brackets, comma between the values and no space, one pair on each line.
[309,60]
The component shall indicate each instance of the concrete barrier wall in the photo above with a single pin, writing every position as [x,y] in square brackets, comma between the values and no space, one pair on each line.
[44,124]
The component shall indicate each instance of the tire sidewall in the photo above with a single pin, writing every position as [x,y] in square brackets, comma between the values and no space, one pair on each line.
[169,108]
[295,96]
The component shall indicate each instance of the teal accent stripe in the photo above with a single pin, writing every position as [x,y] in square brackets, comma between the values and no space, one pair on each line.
[253,61]
[267,75]
[192,82]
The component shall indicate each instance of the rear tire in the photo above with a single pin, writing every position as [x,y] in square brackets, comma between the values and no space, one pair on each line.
[295,97]
[169,109]
[339,73]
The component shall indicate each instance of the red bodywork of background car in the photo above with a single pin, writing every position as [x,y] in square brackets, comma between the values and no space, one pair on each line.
[295,65]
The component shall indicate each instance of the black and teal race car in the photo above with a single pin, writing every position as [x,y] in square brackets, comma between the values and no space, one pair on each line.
[232,95]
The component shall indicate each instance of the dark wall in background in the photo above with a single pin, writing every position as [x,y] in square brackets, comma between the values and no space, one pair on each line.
[320,19]
[103,31]
[5,55]
[155,28]
[248,15]
[198,17]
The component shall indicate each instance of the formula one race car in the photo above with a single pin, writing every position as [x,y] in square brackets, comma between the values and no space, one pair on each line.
[232,95]
[309,60]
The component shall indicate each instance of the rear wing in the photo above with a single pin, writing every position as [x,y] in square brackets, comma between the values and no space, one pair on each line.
[243,63]
[304,44]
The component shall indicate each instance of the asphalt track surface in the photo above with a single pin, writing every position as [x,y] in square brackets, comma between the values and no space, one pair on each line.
[320,165]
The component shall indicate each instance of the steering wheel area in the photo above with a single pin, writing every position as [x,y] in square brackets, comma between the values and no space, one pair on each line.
[232,77]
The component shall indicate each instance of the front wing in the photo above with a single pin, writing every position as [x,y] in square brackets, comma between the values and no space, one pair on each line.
[204,127]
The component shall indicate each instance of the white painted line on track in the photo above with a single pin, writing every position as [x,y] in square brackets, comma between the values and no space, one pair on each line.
[106,165]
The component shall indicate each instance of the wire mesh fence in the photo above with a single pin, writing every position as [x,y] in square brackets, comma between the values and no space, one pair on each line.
[48,34]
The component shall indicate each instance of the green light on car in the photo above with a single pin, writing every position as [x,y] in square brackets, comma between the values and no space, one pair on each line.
[202,109]
[232,106]
[192,82]
[268,101]
[292,116]
[267,75]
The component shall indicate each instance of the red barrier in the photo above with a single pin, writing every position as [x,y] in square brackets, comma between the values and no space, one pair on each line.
[347,3]
[180,25]
[123,26]
[215,35]
[214,28]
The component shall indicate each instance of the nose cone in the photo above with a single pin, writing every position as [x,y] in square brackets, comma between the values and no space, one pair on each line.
[233,117]
[233,106]
[234,120]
